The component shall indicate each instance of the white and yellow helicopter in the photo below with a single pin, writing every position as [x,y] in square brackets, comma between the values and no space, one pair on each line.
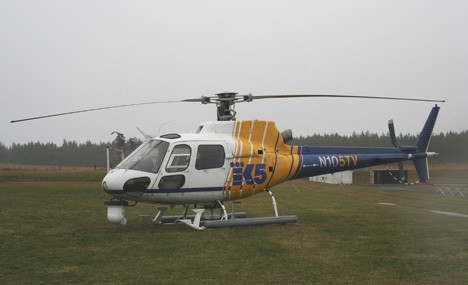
[228,160]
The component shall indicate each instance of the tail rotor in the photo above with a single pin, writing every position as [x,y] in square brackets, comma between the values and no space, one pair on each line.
[391,129]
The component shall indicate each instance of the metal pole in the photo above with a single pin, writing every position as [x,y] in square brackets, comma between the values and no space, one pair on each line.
[108,159]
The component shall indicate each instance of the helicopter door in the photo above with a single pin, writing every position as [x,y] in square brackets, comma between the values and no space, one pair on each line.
[176,172]
[210,166]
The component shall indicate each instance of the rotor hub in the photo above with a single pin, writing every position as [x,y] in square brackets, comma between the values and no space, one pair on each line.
[225,106]
[226,95]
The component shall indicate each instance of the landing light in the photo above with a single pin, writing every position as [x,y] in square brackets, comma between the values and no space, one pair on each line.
[104,186]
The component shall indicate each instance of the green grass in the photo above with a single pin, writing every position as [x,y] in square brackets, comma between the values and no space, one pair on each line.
[54,231]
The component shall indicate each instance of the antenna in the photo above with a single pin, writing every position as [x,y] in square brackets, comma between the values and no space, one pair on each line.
[160,126]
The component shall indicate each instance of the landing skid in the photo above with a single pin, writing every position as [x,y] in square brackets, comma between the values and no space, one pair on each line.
[199,222]
[247,222]
[208,219]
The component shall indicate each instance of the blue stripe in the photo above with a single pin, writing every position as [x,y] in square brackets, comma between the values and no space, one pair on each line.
[165,191]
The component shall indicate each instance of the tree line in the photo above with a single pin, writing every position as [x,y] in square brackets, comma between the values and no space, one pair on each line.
[452,147]
[70,153]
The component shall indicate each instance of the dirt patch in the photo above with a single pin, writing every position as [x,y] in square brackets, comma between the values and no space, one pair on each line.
[23,167]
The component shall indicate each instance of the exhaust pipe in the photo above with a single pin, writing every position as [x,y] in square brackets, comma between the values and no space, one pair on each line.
[287,135]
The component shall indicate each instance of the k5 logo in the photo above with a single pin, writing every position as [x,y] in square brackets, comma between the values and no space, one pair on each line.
[251,174]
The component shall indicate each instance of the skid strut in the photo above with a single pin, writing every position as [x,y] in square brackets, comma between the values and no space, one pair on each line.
[225,215]
[273,201]
[161,210]
[196,221]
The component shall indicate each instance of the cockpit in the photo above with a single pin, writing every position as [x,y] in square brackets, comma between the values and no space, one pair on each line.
[150,156]
[170,165]
[147,158]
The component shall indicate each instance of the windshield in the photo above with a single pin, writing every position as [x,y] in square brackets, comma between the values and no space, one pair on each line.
[148,157]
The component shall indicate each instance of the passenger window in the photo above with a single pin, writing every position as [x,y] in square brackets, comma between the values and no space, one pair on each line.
[179,159]
[172,182]
[210,156]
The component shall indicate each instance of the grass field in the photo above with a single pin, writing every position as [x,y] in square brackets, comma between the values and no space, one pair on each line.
[53,229]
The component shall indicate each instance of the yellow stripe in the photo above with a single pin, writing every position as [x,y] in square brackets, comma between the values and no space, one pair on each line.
[250,137]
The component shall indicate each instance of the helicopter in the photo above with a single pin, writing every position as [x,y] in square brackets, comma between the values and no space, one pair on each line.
[228,160]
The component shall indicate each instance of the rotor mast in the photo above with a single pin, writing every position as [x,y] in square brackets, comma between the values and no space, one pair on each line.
[225,104]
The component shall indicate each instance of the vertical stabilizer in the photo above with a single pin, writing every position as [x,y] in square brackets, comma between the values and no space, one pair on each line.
[426,133]
[422,144]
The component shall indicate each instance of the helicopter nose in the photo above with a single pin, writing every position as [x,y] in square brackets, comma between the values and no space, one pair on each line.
[125,182]
[112,182]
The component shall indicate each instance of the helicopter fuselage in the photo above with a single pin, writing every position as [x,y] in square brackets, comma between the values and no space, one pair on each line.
[217,161]
[222,161]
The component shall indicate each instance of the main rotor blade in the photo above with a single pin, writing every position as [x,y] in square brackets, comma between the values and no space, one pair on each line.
[90,110]
[192,100]
[205,100]
[341,96]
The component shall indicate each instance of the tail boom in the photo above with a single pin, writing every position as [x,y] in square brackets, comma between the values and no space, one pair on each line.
[322,160]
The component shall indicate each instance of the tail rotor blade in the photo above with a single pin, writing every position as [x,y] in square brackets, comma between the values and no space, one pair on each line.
[391,129]
[402,171]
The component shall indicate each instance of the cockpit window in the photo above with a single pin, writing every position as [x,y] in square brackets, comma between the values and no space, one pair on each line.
[179,159]
[148,157]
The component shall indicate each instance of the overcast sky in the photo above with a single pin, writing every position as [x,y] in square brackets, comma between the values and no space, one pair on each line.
[59,56]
